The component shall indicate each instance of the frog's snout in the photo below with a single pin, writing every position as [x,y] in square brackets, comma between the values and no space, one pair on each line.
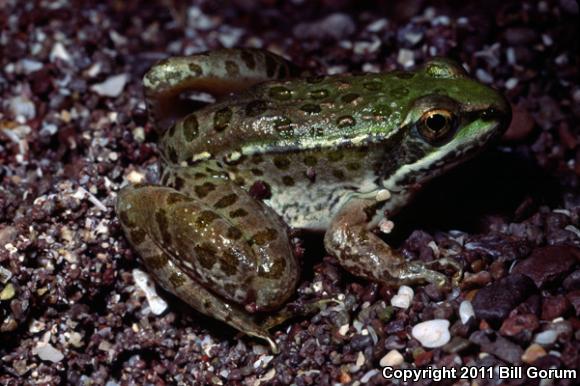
[499,112]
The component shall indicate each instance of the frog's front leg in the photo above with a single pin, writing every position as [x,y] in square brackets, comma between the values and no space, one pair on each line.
[218,73]
[224,253]
[364,254]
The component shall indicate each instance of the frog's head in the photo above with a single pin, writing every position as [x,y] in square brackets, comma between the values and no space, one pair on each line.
[448,118]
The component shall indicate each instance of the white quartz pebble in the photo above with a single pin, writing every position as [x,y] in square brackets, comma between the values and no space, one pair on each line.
[158,305]
[432,333]
[403,298]
[466,311]
[393,358]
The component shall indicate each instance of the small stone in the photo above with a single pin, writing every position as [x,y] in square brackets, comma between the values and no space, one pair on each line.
[8,292]
[432,333]
[112,87]
[47,352]
[571,283]
[406,58]
[532,353]
[5,275]
[392,358]
[466,311]
[157,305]
[546,338]
[386,226]
[59,52]
[494,302]
[516,324]
[498,346]
[21,106]
[554,306]
[403,298]
[549,264]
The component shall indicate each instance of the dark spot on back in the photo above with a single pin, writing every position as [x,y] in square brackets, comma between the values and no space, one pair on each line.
[172,198]
[233,233]
[137,235]
[238,213]
[265,236]
[318,94]
[222,118]
[248,59]
[178,183]
[196,69]
[190,127]
[288,181]
[206,254]
[280,93]
[204,189]
[162,225]
[172,154]
[281,162]
[205,218]
[257,172]
[156,262]
[255,108]
[232,68]
[310,108]
[270,66]
[226,201]
[349,98]
[177,279]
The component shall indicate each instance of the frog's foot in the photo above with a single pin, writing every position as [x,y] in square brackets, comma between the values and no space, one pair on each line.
[448,262]
[364,254]
[290,311]
[218,73]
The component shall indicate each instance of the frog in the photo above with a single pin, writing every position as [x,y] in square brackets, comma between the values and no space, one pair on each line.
[281,150]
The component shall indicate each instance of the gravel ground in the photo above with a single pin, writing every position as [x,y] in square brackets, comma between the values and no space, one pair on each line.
[73,130]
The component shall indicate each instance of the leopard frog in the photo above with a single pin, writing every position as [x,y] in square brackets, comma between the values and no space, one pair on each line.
[280,151]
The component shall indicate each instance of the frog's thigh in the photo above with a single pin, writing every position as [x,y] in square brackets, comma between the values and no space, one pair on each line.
[243,261]
[217,72]
[364,254]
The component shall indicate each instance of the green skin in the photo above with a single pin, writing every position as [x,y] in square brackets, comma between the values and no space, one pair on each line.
[333,154]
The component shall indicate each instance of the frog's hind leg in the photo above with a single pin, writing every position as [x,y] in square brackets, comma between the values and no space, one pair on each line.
[218,73]
[219,250]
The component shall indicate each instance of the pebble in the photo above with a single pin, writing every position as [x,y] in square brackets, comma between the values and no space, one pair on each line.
[516,324]
[392,358]
[432,333]
[533,352]
[403,298]
[47,352]
[546,338]
[157,304]
[499,346]
[549,264]
[111,87]
[554,306]
[494,302]
[21,106]
[466,311]
[8,292]
[59,52]
[5,275]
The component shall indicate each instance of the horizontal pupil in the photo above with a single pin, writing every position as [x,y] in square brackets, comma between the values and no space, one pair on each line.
[436,122]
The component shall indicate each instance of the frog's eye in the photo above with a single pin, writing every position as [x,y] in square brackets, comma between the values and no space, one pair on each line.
[437,124]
